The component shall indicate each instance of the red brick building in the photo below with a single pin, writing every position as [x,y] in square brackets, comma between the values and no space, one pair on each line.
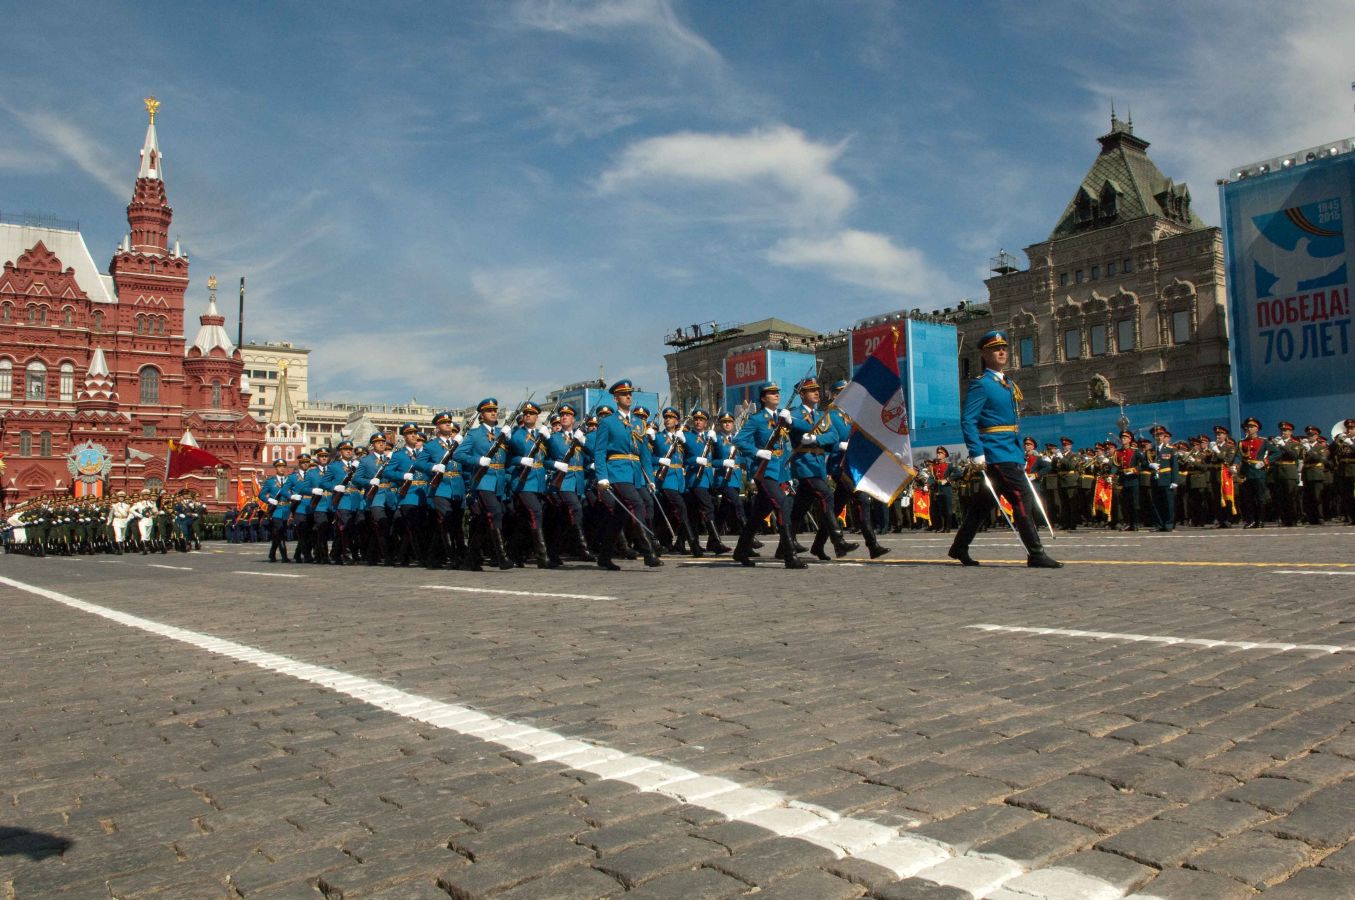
[95,373]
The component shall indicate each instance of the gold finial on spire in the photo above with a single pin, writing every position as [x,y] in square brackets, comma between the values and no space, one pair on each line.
[211,282]
[151,106]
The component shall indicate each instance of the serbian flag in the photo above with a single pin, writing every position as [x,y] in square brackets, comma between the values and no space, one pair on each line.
[1226,493]
[1006,505]
[880,452]
[922,504]
[1102,496]
[183,459]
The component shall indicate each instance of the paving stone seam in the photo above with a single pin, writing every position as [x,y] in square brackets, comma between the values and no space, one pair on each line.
[1278,646]
[906,855]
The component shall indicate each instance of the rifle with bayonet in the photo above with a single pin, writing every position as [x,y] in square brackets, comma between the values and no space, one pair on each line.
[447,457]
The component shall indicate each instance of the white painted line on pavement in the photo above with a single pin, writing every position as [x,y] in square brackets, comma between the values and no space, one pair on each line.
[179,568]
[471,590]
[1165,639]
[1310,572]
[265,574]
[905,854]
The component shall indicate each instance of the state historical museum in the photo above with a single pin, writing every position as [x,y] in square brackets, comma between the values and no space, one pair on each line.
[95,374]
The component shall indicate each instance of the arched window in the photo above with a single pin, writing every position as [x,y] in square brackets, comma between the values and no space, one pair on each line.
[25,443]
[140,324]
[67,382]
[32,314]
[6,312]
[223,485]
[150,384]
[35,382]
[45,443]
[42,315]
[67,316]
[154,484]
[6,379]
[98,320]
[216,393]
[157,325]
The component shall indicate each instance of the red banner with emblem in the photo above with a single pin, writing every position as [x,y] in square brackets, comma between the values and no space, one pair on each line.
[1227,495]
[1103,496]
[922,505]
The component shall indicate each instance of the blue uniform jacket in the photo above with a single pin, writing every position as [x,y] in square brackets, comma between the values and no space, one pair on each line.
[525,444]
[451,484]
[811,460]
[374,466]
[989,419]
[350,499]
[1165,475]
[667,445]
[754,435]
[479,441]
[402,463]
[725,448]
[331,476]
[620,450]
[698,447]
[842,430]
[559,449]
[304,485]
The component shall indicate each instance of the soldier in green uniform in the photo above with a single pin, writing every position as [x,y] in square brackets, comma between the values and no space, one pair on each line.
[1313,474]
[1343,471]
[1286,457]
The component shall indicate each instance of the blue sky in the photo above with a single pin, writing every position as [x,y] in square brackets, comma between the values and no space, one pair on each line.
[450,199]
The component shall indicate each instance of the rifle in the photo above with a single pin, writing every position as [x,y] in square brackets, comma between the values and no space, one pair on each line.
[496,447]
[370,493]
[446,457]
[573,447]
[733,450]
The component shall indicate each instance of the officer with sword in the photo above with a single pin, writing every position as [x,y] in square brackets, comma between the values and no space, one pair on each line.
[989,425]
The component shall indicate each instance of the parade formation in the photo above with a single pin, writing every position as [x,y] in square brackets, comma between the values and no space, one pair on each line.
[621,482]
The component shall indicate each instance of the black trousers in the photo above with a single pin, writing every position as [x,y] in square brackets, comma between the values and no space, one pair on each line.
[1129,503]
[1009,481]
[448,538]
[622,502]
[277,530]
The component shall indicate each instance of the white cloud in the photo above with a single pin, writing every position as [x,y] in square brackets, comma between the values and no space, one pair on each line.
[866,259]
[588,17]
[514,290]
[72,142]
[798,170]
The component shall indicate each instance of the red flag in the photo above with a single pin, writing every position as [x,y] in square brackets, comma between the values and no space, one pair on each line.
[184,459]
[922,504]
[1226,489]
[1103,496]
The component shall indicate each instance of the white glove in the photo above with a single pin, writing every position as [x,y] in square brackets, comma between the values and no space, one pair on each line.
[485,461]
[1154,466]
[763,454]
[543,430]
[1213,447]
[525,461]
[652,430]
[665,461]
[296,497]
[730,464]
[506,430]
[785,417]
[702,461]
[456,441]
[439,468]
[711,435]
[560,466]
[602,483]
[592,467]
[842,445]
[682,437]
[408,476]
[980,460]
[272,501]
[340,488]
[580,436]
[1173,487]
[807,440]
[317,492]
[374,482]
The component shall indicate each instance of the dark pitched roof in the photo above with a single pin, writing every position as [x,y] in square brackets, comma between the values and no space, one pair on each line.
[1124,184]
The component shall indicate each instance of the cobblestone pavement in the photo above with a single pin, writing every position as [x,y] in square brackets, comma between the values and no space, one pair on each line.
[699,730]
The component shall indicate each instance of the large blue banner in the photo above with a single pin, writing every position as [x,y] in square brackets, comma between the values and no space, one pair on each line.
[1288,249]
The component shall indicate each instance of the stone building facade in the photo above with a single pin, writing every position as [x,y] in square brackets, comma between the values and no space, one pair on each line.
[1127,291]
[99,360]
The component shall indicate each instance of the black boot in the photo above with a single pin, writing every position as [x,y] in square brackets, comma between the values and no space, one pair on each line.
[582,549]
[496,544]
[962,554]
[697,552]
[544,559]
[743,554]
[713,544]
[792,561]
[817,550]
[1041,560]
[841,546]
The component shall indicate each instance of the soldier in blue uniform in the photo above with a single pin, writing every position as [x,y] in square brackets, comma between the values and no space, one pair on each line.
[276,494]
[619,453]
[568,456]
[844,491]
[700,462]
[346,502]
[377,497]
[527,452]
[305,479]
[649,494]
[321,507]
[1164,480]
[482,458]
[446,492]
[764,447]
[727,482]
[988,422]
[813,434]
[407,495]
[670,478]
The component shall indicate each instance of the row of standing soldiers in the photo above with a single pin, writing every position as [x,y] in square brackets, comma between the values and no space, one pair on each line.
[63,525]
[614,485]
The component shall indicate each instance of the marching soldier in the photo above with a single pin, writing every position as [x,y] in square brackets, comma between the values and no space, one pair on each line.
[276,492]
[482,457]
[670,479]
[446,491]
[378,498]
[989,424]
[700,462]
[1222,452]
[727,483]
[1129,462]
[619,451]
[844,491]
[943,493]
[321,511]
[1164,480]
[763,444]
[1194,463]
[527,451]
[1068,466]
[812,434]
[1343,471]
[568,456]
[345,503]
